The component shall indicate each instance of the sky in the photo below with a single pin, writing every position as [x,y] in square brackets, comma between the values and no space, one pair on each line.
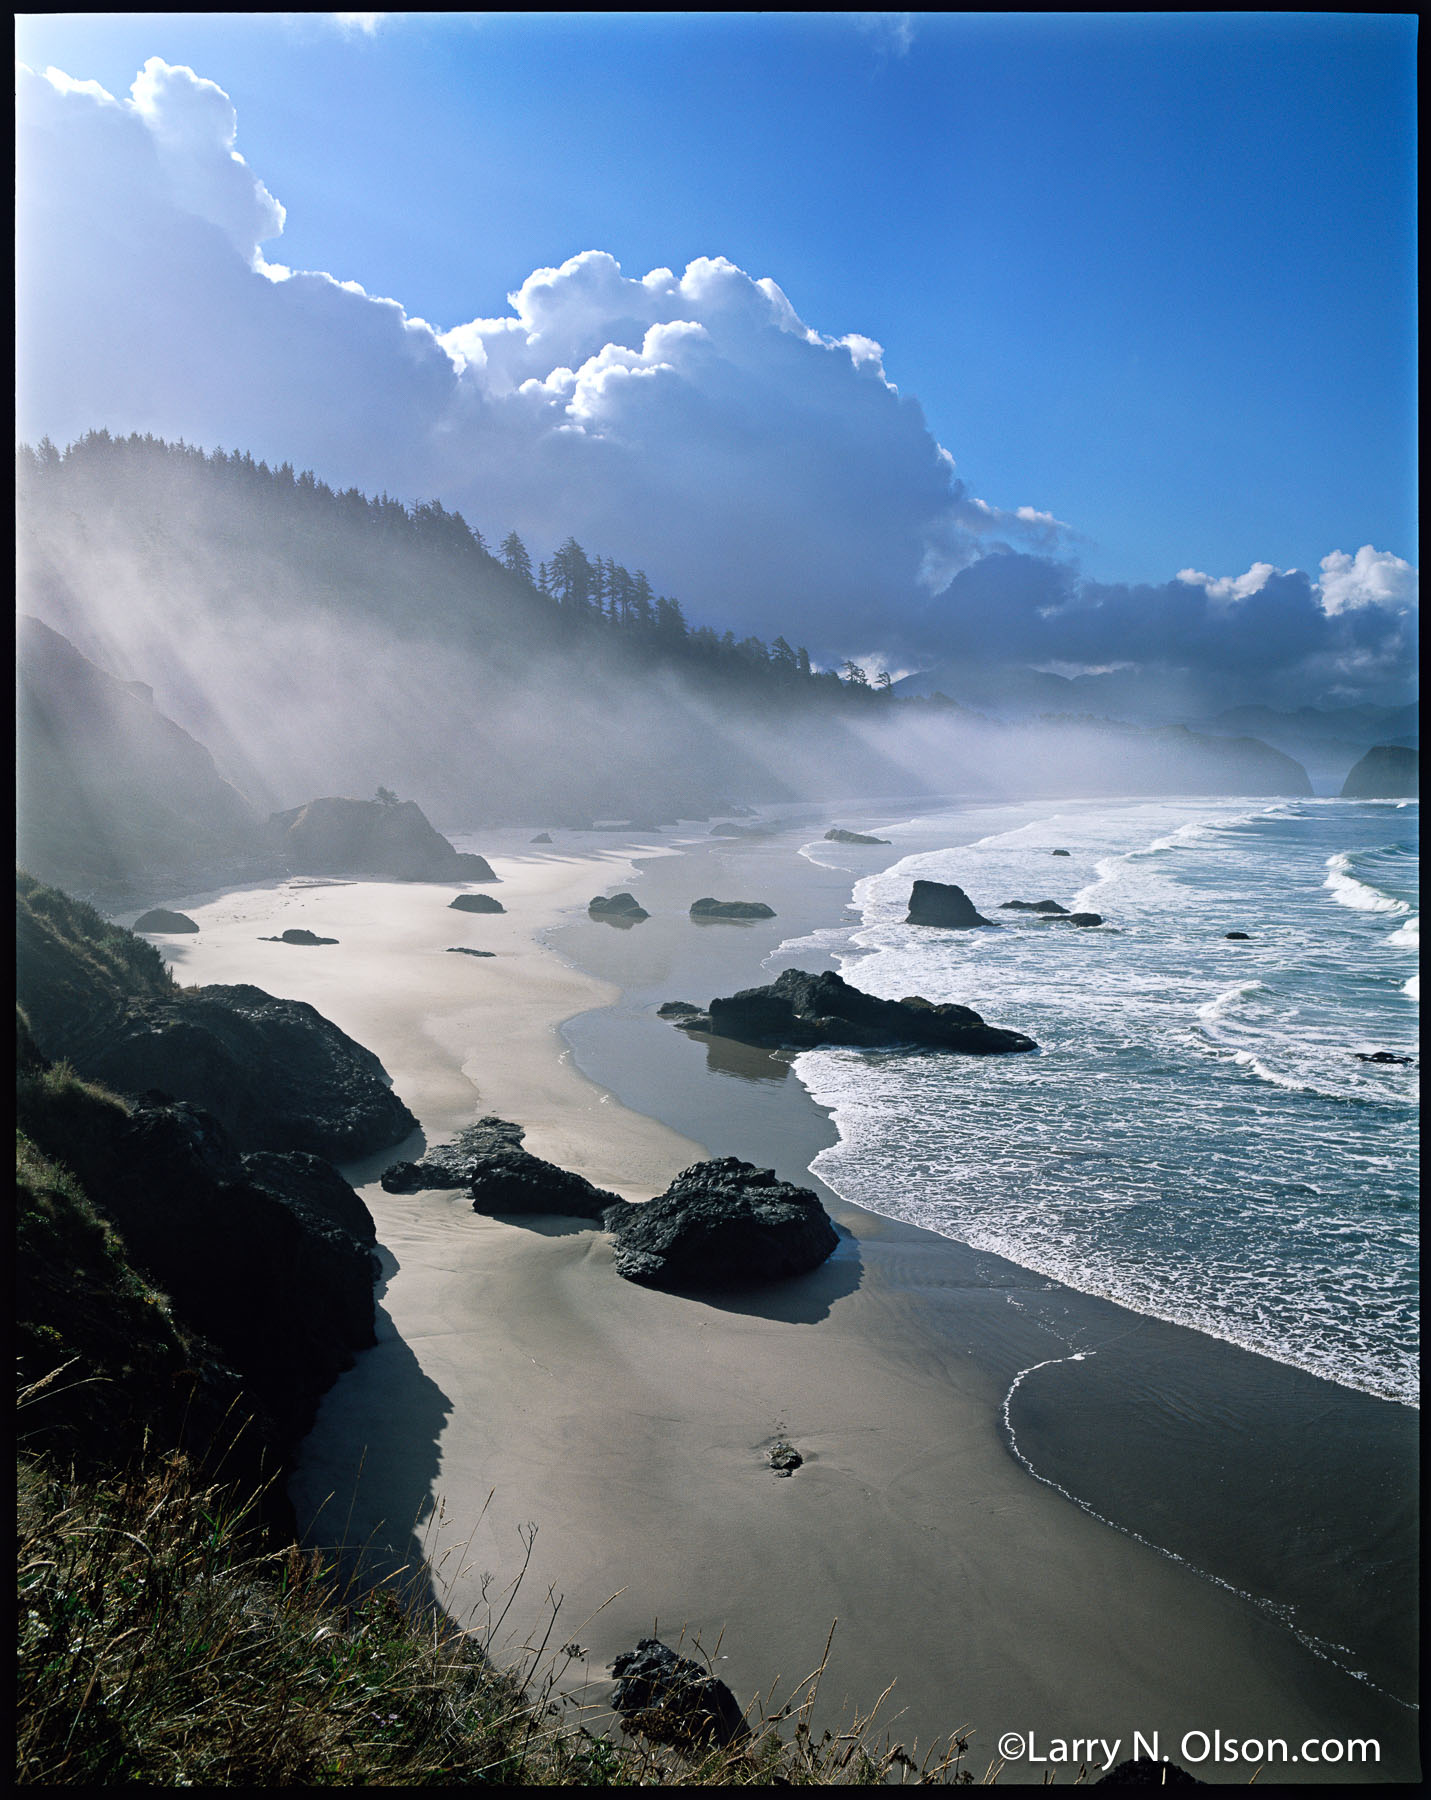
[1061,339]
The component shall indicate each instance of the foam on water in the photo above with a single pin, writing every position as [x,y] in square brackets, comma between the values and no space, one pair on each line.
[1197,1137]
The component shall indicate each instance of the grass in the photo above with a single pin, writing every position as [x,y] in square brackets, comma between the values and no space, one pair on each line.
[159,1644]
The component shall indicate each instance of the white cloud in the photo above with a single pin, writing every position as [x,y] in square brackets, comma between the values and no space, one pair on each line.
[1229,589]
[1370,578]
[893,32]
[769,474]
[366,23]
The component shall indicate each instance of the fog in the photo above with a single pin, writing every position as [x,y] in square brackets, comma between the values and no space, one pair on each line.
[315,646]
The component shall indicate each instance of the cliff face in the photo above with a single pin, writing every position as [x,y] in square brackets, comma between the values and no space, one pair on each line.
[111,790]
[200,1278]
[1386,772]
[189,1282]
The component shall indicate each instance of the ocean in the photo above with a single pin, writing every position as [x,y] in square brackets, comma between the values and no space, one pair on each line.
[1196,1137]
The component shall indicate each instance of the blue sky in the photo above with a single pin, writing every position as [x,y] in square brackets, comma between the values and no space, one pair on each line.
[1149,274]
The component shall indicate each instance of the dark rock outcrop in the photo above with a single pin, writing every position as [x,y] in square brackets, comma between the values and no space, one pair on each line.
[1380,1056]
[1386,772]
[269,1257]
[723,1224]
[542,837]
[1236,936]
[676,1009]
[296,934]
[801,1011]
[160,921]
[1084,919]
[275,1073]
[838,836]
[1060,853]
[618,909]
[463,950]
[731,909]
[673,1700]
[487,1158]
[941,903]
[476,903]
[1038,906]
[340,836]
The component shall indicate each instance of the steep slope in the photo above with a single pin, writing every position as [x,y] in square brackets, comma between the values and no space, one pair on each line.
[110,788]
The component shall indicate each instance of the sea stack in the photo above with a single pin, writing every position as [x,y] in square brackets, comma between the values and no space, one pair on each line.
[941,903]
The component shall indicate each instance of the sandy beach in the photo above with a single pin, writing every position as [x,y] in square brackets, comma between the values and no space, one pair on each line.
[519,1382]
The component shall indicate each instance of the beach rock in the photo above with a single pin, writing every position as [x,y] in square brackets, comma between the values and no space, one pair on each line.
[837,836]
[297,935]
[1084,919]
[1038,906]
[673,1700]
[1060,853]
[801,1011]
[617,909]
[338,836]
[941,903]
[783,1457]
[676,1009]
[1236,936]
[731,909]
[463,950]
[1386,772]
[723,1224]
[1147,1771]
[1380,1056]
[159,919]
[487,1158]
[542,837]
[476,903]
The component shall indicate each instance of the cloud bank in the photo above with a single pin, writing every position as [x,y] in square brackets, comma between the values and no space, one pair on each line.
[769,474]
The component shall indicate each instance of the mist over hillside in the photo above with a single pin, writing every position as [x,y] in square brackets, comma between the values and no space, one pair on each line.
[317,642]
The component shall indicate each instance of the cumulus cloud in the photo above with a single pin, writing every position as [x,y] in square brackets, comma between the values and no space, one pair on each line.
[770,474]
[1370,578]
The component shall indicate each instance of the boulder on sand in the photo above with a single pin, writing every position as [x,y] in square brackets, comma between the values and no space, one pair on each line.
[476,903]
[488,1160]
[463,950]
[296,934]
[731,909]
[159,919]
[941,903]
[800,1011]
[673,1700]
[722,1224]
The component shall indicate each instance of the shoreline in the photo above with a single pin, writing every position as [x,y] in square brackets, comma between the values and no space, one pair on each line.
[629,1423]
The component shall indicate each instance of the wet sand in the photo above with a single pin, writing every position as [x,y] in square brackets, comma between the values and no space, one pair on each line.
[518,1380]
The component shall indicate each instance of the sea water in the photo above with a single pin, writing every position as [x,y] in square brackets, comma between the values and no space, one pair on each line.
[1196,1137]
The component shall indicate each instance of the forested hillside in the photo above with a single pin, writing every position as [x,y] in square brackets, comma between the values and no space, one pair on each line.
[316,643]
